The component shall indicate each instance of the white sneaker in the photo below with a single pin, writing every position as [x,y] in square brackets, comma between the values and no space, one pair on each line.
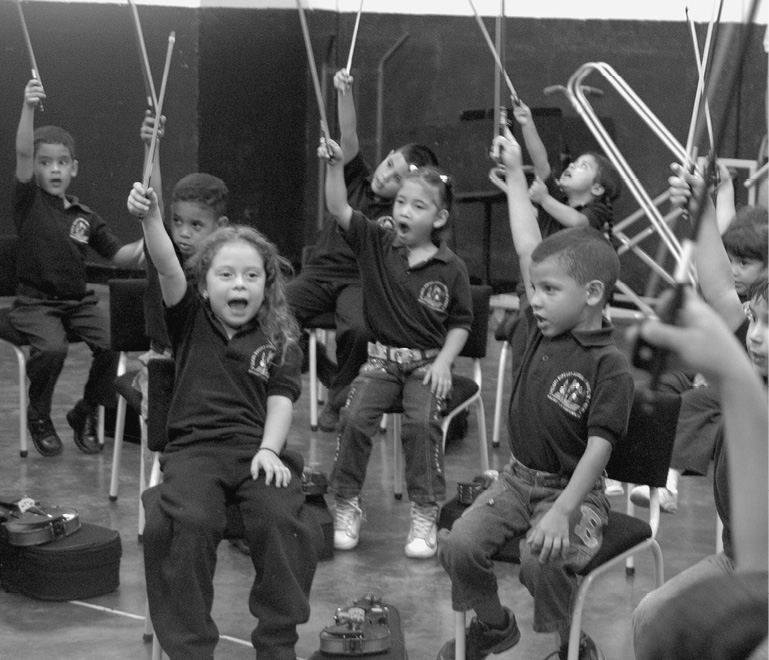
[613,487]
[348,518]
[640,496]
[422,542]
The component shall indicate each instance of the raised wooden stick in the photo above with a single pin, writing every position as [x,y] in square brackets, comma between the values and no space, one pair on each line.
[313,72]
[159,110]
[30,52]
[701,72]
[354,37]
[149,87]
[500,66]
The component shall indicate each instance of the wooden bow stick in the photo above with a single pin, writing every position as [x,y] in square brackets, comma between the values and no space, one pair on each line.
[501,68]
[354,36]
[159,110]
[149,87]
[313,72]
[30,52]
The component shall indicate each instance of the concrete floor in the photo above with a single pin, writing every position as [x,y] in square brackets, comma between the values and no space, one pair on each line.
[110,627]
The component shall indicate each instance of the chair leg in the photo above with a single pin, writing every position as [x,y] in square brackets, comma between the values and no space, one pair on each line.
[117,449]
[397,456]
[313,358]
[459,636]
[102,416]
[149,632]
[22,362]
[483,448]
[142,473]
[576,617]
[630,561]
[500,392]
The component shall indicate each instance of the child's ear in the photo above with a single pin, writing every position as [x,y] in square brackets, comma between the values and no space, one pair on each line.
[74,168]
[597,189]
[595,290]
[441,219]
[222,221]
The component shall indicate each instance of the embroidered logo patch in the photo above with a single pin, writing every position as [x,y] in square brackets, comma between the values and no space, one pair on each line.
[387,222]
[80,230]
[435,295]
[261,359]
[571,392]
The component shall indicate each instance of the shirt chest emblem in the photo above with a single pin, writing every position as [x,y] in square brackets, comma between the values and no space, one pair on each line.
[80,230]
[434,295]
[259,364]
[571,392]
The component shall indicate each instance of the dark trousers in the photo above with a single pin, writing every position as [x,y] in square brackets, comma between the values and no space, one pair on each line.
[185,521]
[310,298]
[46,324]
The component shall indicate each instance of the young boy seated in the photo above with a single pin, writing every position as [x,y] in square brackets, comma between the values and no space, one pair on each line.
[581,197]
[570,404]
[52,298]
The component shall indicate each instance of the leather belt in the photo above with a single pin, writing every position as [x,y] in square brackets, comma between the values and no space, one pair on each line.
[400,355]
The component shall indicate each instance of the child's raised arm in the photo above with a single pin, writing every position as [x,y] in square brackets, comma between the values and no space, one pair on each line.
[348,119]
[531,139]
[25,134]
[561,212]
[143,203]
[523,217]
[714,271]
[336,192]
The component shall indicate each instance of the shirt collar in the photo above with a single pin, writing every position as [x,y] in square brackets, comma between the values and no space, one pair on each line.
[604,336]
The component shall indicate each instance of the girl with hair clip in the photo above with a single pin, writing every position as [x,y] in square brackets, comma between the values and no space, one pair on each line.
[237,376]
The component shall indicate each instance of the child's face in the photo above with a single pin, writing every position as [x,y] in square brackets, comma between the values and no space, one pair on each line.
[745,271]
[580,175]
[757,339]
[388,175]
[416,213]
[235,284]
[558,301]
[54,168]
[191,223]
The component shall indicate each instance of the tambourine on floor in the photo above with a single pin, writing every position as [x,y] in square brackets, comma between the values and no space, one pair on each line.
[111,627]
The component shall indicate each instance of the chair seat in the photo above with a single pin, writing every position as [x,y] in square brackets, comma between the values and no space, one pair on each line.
[124,386]
[622,533]
[325,321]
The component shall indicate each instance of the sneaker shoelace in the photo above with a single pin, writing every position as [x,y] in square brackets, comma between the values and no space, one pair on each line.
[422,521]
[346,512]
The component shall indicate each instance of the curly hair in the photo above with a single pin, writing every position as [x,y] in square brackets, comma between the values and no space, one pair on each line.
[274,316]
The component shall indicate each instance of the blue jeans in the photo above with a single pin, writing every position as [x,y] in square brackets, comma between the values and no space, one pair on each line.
[380,385]
[503,514]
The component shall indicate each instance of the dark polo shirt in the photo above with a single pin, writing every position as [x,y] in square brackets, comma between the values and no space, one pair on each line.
[332,258]
[53,240]
[565,389]
[598,213]
[222,384]
[408,307]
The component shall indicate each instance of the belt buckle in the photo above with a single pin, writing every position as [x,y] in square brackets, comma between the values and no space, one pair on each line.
[403,355]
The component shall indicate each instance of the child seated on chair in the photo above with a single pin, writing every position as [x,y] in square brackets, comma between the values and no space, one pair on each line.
[570,404]
[716,281]
[237,376]
[418,308]
[52,299]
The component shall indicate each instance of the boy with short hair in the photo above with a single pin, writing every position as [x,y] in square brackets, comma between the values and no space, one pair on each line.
[330,280]
[54,229]
[583,195]
[571,399]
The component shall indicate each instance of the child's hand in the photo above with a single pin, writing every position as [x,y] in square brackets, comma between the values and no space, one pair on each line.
[438,377]
[343,81]
[538,191]
[141,201]
[509,150]
[33,93]
[522,113]
[549,538]
[268,462]
[148,126]
[330,151]
[724,175]
[685,188]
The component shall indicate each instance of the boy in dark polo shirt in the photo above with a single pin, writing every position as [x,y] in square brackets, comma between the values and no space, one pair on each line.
[330,280]
[54,230]
[418,309]
[570,404]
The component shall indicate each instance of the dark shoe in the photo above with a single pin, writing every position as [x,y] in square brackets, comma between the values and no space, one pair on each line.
[328,419]
[82,418]
[587,650]
[481,641]
[44,435]
[327,368]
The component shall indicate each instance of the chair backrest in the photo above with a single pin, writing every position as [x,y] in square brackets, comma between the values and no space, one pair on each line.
[126,315]
[160,389]
[8,278]
[475,346]
[643,455]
